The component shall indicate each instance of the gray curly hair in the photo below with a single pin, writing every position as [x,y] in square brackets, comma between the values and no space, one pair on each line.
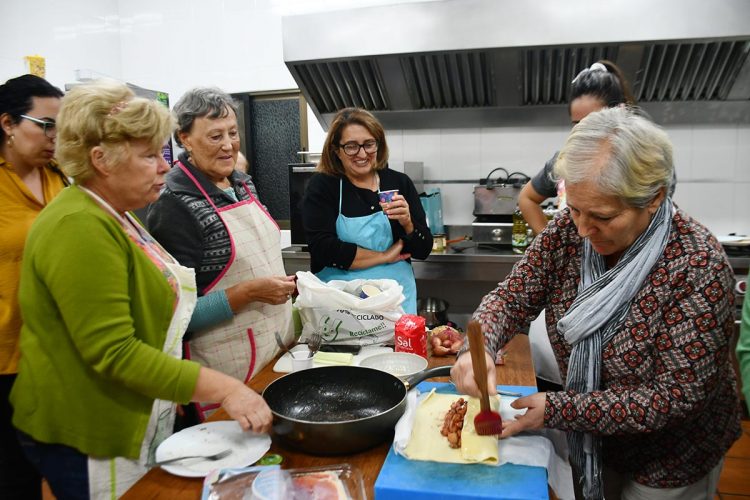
[199,102]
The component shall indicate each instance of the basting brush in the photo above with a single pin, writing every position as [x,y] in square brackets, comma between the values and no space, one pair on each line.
[487,422]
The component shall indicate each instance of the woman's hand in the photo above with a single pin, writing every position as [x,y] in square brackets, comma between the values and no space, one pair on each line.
[248,408]
[241,403]
[393,254]
[462,375]
[398,210]
[272,290]
[366,258]
[531,420]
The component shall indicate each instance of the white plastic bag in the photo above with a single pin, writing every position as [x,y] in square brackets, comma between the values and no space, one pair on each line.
[336,310]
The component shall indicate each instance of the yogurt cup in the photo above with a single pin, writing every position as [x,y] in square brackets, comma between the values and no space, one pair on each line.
[368,291]
[387,196]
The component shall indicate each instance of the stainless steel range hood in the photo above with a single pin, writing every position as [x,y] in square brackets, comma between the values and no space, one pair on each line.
[476,63]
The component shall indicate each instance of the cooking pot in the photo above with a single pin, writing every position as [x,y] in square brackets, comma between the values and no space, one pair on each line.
[433,310]
[338,410]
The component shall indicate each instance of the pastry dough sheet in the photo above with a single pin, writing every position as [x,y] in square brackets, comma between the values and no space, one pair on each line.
[426,442]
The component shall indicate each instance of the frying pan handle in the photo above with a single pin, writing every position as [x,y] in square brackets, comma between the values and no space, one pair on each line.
[440,371]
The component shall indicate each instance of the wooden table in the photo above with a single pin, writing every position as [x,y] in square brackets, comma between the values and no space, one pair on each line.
[158,484]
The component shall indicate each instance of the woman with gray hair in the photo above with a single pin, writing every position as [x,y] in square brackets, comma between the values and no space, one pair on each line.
[640,311]
[209,217]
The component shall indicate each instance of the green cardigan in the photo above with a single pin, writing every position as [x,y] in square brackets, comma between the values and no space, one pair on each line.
[743,349]
[96,311]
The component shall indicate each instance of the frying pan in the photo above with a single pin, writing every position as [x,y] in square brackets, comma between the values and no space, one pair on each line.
[339,410]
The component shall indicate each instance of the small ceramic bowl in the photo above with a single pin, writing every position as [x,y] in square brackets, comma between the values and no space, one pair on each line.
[400,364]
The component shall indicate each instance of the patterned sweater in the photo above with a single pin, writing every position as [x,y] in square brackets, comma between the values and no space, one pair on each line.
[186,224]
[668,409]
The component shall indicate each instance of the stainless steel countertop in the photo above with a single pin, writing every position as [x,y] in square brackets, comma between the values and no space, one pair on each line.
[463,264]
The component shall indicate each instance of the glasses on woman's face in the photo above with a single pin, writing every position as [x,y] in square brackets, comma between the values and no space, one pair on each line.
[49,128]
[352,148]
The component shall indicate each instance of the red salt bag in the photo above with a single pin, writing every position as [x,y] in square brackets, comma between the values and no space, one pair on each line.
[411,335]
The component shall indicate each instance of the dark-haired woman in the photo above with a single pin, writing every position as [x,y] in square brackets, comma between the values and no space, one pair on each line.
[600,86]
[29,179]
[350,233]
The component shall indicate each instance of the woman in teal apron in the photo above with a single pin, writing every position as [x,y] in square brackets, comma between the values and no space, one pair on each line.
[350,233]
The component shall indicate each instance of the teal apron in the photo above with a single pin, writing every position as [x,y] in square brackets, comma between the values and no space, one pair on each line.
[372,232]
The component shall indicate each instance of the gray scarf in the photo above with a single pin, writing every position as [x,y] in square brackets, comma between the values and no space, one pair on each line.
[601,306]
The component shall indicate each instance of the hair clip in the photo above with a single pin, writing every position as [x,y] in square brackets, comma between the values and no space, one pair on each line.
[117,108]
[597,66]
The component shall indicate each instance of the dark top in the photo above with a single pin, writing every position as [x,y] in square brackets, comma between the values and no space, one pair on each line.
[320,209]
[543,182]
[188,227]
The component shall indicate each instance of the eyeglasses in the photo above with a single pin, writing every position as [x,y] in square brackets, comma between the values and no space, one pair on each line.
[50,128]
[352,148]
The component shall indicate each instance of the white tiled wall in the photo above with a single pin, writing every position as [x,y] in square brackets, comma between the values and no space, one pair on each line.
[172,45]
[712,162]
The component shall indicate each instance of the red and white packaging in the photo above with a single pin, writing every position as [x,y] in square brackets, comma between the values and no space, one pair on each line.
[411,335]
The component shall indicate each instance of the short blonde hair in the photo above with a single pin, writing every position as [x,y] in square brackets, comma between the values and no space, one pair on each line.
[106,113]
[330,163]
[621,152]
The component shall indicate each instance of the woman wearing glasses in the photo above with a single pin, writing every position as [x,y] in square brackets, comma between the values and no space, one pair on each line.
[29,179]
[209,217]
[350,233]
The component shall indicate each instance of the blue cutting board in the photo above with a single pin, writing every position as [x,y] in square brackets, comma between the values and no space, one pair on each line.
[401,478]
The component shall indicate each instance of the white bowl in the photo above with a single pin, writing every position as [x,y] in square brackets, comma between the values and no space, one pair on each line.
[400,364]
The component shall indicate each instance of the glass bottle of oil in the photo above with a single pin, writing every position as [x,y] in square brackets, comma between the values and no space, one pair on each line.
[519,234]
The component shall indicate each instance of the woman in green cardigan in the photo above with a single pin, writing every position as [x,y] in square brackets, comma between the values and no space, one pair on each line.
[105,307]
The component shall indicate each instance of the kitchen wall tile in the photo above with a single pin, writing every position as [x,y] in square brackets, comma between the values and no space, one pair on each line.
[741,209]
[710,203]
[395,140]
[458,203]
[714,153]
[424,146]
[500,147]
[682,150]
[316,135]
[742,164]
[538,145]
[459,152]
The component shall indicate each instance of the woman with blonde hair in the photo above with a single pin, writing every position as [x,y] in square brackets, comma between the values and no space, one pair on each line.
[105,308]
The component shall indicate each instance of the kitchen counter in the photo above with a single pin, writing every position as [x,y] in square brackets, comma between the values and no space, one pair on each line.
[480,263]
[462,279]
[158,484]
[473,264]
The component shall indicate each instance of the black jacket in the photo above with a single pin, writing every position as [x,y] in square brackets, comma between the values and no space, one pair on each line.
[320,209]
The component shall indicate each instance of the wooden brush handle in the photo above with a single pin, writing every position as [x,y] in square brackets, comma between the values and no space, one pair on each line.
[479,362]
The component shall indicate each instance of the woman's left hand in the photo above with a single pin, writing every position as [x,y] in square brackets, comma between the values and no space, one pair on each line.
[531,420]
[398,210]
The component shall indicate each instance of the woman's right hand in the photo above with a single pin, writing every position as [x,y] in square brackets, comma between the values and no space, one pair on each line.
[248,408]
[271,290]
[462,375]
[243,404]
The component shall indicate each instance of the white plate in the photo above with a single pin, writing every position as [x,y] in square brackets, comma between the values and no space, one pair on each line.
[208,438]
[734,241]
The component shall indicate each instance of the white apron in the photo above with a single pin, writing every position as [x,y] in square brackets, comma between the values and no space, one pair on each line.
[110,478]
[243,345]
